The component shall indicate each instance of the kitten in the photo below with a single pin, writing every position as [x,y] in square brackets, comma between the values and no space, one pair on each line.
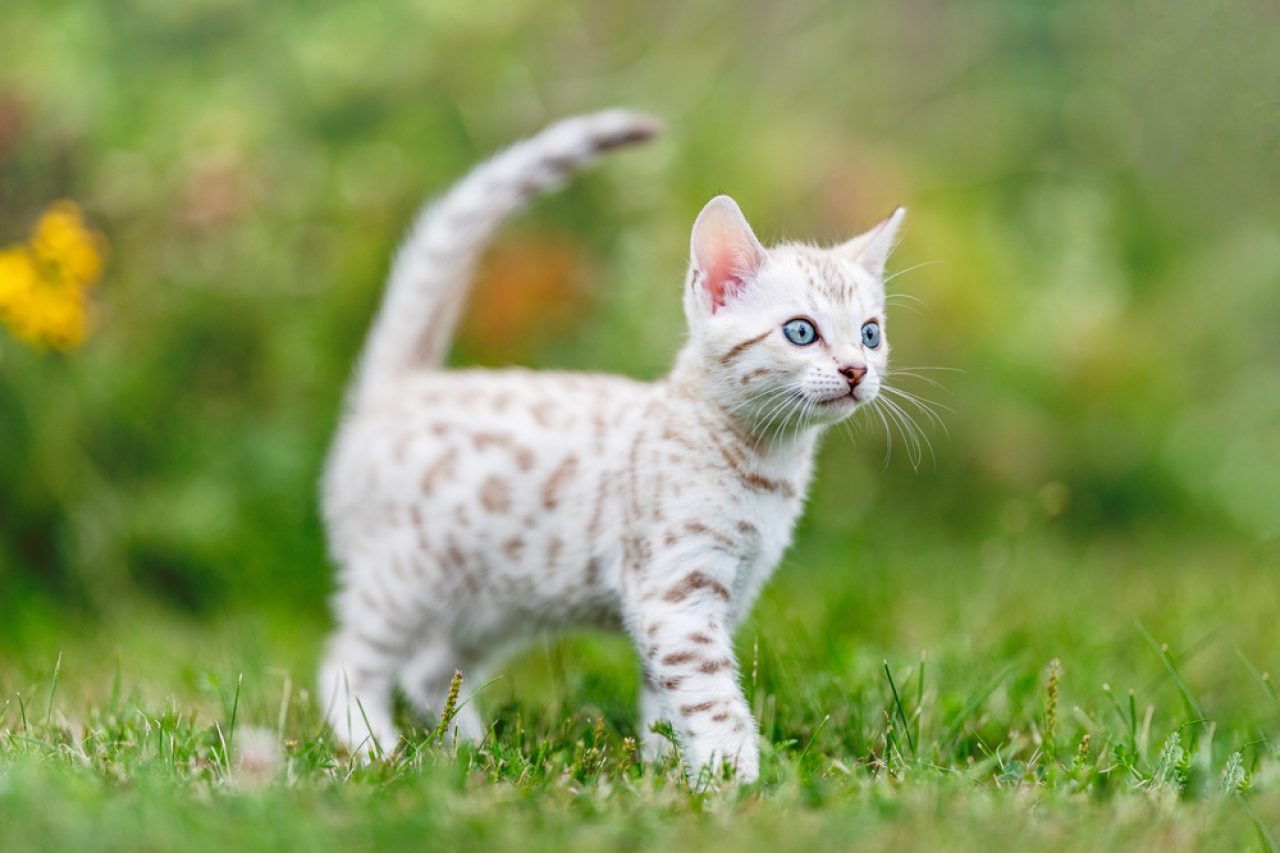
[469,509]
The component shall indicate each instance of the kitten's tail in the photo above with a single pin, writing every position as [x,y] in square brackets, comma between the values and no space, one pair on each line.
[429,277]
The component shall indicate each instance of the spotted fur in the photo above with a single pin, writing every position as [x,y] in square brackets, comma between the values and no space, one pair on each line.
[467,509]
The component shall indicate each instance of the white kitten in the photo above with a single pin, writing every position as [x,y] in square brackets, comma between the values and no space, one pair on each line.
[468,509]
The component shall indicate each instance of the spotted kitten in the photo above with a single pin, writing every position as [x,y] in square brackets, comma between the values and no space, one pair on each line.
[468,509]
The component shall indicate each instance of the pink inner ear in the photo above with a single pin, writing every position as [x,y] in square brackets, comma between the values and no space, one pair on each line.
[722,281]
[725,251]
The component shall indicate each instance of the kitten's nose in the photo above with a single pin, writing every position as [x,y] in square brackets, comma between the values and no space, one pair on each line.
[854,373]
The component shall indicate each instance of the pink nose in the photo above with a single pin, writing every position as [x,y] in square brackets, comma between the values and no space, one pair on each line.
[854,374]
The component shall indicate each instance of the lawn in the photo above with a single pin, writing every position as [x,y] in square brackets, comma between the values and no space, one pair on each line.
[925,693]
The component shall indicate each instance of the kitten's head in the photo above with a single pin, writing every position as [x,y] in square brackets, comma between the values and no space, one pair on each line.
[791,335]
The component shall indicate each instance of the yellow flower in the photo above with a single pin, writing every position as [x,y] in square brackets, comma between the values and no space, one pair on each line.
[43,285]
[17,279]
[63,244]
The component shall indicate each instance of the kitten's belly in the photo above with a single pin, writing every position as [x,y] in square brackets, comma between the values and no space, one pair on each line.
[495,488]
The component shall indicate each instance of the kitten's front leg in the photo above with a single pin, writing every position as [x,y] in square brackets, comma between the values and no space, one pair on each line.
[682,619]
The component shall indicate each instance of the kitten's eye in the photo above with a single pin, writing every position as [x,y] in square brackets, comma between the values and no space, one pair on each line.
[800,332]
[871,334]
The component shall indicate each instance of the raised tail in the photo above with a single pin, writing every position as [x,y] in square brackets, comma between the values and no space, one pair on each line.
[428,281]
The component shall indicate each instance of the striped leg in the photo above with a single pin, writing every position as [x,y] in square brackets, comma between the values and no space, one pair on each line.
[688,656]
[365,654]
[355,689]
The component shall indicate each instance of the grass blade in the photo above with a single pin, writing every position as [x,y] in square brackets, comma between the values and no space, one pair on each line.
[1263,679]
[976,699]
[53,688]
[1193,707]
[902,715]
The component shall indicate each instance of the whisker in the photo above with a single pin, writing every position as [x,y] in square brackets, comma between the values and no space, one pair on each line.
[909,269]
[888,434]
[932,367]
[908,438]
[924,404]
[911,374]
[778,409]
[919,439]
[888,301]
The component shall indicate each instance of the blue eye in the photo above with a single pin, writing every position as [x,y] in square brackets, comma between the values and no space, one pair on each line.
[871,334]
[800,332]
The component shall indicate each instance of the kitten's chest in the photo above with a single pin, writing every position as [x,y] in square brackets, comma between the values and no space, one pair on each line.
[771,524]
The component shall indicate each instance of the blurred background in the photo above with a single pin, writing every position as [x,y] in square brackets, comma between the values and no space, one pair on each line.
[1092,239]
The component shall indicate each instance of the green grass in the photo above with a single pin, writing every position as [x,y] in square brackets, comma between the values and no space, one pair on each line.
[1111,699]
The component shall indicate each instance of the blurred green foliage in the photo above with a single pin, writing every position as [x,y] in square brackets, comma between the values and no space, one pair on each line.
[1092,234]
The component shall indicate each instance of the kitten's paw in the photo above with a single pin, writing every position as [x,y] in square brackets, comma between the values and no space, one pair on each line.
[361,720]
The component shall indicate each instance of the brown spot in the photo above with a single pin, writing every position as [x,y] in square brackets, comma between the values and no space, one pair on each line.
[680,439]
[659,485]
[699,529]
[721,717]
[672,682]
[670,538]
[598,423]
[700,708]
[456,556]
[738,348]
[415,516]
[701,639]
[366,598]
[560,476]
[748,529]
[711,667]
[692,583]
[441,468]
[653,628]
[676,658]
[485,440]
[524,458]
[513,546]
[597,513]
[756,481]
[495,495]
[755,374]
[544,413]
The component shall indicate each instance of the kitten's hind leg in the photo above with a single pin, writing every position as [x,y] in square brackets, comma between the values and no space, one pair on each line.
[426,680]
[358,675]
[355,692]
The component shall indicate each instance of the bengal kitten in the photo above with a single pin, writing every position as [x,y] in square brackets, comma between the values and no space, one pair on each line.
[469,509]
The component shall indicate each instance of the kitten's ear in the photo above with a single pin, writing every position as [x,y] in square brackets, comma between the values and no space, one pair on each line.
[725,252]
[872,249]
